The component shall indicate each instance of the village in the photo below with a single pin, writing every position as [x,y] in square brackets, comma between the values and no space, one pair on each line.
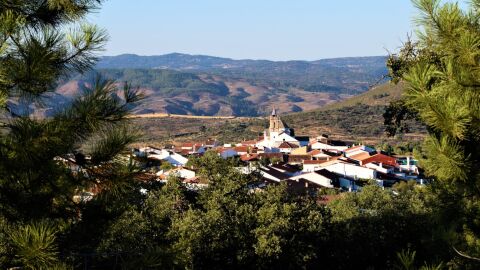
[306,164]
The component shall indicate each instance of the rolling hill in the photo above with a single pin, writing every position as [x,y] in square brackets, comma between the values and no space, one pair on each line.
[379,95]
[350,75]
[214,86]
[356,119]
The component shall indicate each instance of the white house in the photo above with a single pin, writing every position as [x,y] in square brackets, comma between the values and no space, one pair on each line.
[180,172]
[170,157]
[351,170]
[226,152]
[312,165]
[379,167]
[324,146]
[272,174]
[287,147]
[323,178]
[359,149]
[408,164]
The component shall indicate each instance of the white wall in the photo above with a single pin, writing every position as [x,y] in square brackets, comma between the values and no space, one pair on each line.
[311,167]
[314,178]
[324,146]
[351,170]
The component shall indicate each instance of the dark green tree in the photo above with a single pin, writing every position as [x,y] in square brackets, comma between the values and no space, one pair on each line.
[46,162]
[442,75]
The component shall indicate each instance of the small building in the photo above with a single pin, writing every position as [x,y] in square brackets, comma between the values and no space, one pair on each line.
[170,157]
[287,147]
[323,178]
[312,165]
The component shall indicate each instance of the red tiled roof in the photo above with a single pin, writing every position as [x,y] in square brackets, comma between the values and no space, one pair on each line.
[298,158]
[184,152]
[241,148]
[190,144]
[315,152]
[222,149]
[287,145]
[360,156]
[271,155]
[381,158]
[249,157]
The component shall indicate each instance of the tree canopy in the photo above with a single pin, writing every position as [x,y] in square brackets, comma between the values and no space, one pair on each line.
[441,71]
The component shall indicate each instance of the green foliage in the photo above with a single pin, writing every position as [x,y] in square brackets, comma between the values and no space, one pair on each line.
[232,227]
[168,82]
[396,118]
[166,166]
[131,224]
[340,75]
[441,72]
[34,245]
[406,259]
[35,53]
[45,163]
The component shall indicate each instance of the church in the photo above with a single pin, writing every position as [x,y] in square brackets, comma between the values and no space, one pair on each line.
[278,133]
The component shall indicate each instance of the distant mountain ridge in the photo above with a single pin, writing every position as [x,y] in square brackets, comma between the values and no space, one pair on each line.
[204,62]
[208,85]
[350,75]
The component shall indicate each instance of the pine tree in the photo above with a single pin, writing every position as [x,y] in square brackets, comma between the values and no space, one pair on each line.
[442,72]
[45,162]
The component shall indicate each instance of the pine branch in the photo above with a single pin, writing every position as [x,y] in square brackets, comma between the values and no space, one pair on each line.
[463,255]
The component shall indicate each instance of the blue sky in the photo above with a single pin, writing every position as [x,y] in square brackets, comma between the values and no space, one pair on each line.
[256,29]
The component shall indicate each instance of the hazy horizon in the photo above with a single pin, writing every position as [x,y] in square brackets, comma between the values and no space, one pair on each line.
[276,30]
[239,59]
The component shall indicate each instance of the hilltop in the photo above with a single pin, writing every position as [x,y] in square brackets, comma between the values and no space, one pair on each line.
[359,116]
[380,95]
[351,75]
[215,86]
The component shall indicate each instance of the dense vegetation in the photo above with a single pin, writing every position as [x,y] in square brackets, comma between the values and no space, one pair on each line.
[48,222]
[442,75]
[339,75]
[167,82]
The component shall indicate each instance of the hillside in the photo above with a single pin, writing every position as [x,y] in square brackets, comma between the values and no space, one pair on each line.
[214,86]
[358,119]
[377,96]
[351,75]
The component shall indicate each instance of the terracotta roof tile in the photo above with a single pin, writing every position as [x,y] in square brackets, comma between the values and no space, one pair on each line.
[381,158]
[249,157]
[241,148]
[360,156]
[287,145]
